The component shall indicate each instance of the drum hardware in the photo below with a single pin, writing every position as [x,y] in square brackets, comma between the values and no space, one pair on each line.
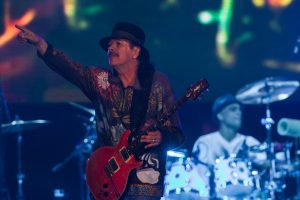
[265,92]
[291,128]
[295,167]
[175,156]
[17,126]
[87,110]
[20,174]
[82,150]
[187,179]
[295,172]
[59,194]
[4,116]
[258,148]
[210,173]
[233,177]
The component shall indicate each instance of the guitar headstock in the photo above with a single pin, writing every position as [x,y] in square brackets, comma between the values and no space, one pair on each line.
[195,90]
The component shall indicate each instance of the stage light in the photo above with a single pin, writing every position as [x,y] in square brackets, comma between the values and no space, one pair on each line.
[166,4]
[223,18]
[258,3]
[176,154]
[92,10]
[272,3]
[76,14]
[10,31]
[222,37]
[207,17]
[279,3]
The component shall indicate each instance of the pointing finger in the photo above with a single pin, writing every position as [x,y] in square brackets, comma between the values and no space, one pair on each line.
[21,28]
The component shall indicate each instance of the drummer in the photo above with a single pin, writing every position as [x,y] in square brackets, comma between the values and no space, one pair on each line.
[226,141]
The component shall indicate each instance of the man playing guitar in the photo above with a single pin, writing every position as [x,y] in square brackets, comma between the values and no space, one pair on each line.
[132,96]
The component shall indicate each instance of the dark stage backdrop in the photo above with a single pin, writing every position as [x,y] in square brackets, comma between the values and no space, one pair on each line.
[231,43]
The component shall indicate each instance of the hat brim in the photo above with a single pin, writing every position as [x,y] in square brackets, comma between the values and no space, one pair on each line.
[104,41]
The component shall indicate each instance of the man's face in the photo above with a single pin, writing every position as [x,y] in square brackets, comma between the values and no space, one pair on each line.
[121,52]
[231,116]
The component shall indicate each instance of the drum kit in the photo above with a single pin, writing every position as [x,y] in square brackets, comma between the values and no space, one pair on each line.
[239,176]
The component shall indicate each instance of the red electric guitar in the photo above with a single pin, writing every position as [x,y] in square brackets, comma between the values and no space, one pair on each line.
[108,167]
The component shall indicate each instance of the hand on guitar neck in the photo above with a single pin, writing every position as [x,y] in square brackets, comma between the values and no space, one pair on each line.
[153,138]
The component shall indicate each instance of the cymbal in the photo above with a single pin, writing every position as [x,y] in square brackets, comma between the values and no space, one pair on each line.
[88,110]
[277,146]
[258,148]
[14,126]
[267,90]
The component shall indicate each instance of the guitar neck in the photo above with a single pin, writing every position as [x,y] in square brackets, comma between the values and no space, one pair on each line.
[166,116]
[193,93]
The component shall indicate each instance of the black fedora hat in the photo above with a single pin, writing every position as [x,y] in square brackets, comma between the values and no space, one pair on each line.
[125,30]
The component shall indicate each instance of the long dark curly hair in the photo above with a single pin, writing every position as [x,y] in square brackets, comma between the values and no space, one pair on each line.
[140,98]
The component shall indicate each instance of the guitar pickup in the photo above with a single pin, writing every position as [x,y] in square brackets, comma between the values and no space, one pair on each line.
[124,153]
[113,165]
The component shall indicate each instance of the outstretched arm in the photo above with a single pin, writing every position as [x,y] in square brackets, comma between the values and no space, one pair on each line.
[30,37]
[73,71]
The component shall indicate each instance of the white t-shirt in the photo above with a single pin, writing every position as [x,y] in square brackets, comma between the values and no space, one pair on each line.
[209,147]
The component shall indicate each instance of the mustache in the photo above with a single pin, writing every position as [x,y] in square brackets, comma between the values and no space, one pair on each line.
[112,53]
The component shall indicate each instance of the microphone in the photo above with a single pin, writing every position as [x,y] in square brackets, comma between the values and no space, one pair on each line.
[289,127]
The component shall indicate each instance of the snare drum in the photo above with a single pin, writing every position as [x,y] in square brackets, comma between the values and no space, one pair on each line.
[187,181]
[233,177]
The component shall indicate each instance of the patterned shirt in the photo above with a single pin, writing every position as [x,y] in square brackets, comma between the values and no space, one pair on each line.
[112,103]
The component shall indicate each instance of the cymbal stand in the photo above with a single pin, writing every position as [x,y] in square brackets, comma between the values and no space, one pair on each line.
[267,122]
[20,174]
[85,149]
[4,115]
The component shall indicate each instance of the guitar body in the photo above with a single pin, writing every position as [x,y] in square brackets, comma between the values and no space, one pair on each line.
[108,169]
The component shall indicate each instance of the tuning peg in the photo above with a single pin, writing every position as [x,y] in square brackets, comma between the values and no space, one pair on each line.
[202,94]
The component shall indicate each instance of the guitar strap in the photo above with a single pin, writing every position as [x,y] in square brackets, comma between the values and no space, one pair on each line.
[139,103]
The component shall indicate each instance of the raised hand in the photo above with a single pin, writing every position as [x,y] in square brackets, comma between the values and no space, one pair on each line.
[27,36]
